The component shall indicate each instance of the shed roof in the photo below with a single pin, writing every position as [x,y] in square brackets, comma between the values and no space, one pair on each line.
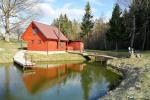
[50,32]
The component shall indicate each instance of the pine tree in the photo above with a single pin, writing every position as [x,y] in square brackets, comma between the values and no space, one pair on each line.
[114,34]
[63,23]
[87,23]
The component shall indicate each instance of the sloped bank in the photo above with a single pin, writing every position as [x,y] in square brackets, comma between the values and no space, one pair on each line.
[37,57]
[136,84]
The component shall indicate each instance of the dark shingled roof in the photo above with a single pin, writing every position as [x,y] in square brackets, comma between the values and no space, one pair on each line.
[50,32]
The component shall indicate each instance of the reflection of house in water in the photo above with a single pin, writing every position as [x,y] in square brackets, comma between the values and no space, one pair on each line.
[42,78]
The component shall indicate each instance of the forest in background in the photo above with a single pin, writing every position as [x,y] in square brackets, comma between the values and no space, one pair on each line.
[128,27]
[129,24]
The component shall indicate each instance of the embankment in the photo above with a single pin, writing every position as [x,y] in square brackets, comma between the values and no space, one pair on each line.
[136,84]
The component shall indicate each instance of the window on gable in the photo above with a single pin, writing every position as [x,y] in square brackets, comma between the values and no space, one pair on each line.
[32,41]
[39,42]
[35,30]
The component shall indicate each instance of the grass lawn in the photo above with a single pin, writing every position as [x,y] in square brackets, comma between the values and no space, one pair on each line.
[146,54]
[8,50]
[110,53]
[55,57]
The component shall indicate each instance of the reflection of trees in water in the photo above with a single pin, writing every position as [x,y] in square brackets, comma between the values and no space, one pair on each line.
[98,74]
[6,83]
[86,81]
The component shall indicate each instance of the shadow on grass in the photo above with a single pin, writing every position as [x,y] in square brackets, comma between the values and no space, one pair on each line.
[23,48]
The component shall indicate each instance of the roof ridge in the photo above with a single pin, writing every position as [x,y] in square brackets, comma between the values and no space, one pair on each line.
[38,28]
[46,30]
[40,23]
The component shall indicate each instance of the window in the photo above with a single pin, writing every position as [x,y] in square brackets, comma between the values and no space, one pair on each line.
[35,30]
[32,41]
[39,42]
[62,44]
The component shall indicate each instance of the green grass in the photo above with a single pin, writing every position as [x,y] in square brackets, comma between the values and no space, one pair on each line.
[134,62]
[8,50]
[55,57]
[146,54]
[110,53]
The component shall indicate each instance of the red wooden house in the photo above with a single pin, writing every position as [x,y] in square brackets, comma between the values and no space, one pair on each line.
[42,37]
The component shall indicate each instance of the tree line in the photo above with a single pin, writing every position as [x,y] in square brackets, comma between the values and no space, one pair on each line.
[91,32]
[128,26]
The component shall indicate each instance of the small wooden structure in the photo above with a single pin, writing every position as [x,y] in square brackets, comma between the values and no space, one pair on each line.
[76,45]
[97,57]
[101,58]
[21,59]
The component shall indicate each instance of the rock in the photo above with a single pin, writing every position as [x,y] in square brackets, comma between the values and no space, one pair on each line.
[131,88]
[130,97]
[123,83]
[132,56]
[138,85]
[138,55]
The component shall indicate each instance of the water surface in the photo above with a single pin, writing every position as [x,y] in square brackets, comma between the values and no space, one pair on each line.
[72,81]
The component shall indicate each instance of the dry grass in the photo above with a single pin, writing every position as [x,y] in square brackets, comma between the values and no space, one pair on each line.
[136,84]
[55,57]
[135,62]
[7,51]
[110,53]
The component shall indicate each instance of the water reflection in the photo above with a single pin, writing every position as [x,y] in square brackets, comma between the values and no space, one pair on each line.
[79,81]
[41,78]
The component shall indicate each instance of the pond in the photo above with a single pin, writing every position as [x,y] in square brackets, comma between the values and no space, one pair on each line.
[53,81]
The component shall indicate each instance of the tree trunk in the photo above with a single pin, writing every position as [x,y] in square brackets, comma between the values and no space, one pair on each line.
[144,41]
[133,34]
[146,27]
[105,42]
[116,46]
[7,28]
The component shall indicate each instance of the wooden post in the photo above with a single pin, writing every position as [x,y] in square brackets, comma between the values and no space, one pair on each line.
[31,60]
[25,59]
[47,48]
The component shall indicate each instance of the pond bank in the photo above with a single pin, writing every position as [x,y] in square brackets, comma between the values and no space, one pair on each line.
[54,57]
[136,84]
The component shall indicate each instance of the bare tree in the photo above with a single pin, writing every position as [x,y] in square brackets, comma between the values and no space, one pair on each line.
[13,13]
[133,5]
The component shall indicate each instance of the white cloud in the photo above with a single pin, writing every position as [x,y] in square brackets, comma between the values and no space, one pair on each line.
[97,2]
[46,10]
[48,1]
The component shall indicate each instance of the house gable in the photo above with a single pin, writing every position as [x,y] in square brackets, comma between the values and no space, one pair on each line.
[50,32]
[33,33]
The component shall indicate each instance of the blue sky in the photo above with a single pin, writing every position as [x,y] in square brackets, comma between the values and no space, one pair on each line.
[50,9]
